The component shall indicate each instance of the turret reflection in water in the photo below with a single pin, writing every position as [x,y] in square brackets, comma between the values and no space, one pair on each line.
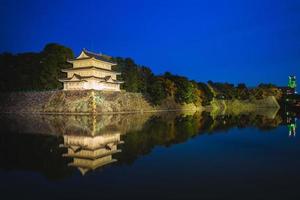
[90,152]
[63,141]
[93,145]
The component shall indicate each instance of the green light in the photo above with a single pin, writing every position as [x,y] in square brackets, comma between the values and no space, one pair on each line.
[292,129]
[292,82]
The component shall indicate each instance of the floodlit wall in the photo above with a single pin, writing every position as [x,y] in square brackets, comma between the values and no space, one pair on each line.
[74,85]
[91,84]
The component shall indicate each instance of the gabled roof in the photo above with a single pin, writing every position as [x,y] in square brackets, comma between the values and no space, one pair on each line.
[99,56]
[85,54]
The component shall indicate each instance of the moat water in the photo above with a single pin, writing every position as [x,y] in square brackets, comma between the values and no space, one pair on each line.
[150,156]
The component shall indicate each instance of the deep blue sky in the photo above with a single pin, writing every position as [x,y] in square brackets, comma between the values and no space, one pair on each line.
[235,41]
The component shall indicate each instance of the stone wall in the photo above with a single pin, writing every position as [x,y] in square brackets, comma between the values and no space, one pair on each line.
[89,101]
[83,102]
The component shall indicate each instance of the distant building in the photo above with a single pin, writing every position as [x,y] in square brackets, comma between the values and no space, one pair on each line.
[291,88]
[292,82]
[91,71]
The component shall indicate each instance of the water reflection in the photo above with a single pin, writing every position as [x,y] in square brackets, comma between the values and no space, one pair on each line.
[89,152]
[291,123]
[58,145]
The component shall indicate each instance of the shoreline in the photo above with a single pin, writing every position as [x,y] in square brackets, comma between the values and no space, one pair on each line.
[105,113]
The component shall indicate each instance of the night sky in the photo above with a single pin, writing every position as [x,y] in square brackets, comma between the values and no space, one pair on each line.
[249,41]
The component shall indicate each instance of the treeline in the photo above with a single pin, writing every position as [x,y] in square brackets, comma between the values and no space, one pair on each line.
[228,91]
[34,71]
[157,88]
[40,71]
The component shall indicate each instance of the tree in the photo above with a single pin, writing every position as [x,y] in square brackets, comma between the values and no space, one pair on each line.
[242,91]
[205,93]
[34,71]
[54,57]
[170,87]
[145,76]
[129,74]
[156,91]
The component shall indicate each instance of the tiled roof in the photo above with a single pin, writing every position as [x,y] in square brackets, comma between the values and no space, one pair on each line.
[83,78]
[97,56]
[90,67]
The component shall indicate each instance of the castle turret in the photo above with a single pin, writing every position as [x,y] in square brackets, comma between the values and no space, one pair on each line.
[91,71]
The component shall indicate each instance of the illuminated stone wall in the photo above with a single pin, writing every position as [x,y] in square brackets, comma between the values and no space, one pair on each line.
[91,84]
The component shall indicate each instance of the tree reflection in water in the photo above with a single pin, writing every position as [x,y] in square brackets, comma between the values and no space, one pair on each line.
[56,145]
